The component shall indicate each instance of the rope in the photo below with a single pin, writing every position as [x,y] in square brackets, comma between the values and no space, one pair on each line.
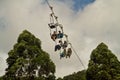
[75,52]
[53,14]
[48,3]
[56,18]
[77,56]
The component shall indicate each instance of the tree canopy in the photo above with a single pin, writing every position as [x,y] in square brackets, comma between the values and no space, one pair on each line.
[103,64]
[81,75]
[27,60]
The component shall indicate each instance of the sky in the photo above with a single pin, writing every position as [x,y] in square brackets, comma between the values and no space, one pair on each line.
[80,4]
[86,22]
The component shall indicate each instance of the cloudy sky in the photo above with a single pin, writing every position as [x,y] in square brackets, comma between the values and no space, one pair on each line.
[87,23]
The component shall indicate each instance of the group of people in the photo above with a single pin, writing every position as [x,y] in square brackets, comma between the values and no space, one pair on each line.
[56,35]
[61,46]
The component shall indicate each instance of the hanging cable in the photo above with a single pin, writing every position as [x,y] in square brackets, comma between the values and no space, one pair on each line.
[75,52]
[77,56]
[56,18]
[51,8]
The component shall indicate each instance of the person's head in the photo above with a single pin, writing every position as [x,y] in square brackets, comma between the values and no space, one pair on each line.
[65,41]
[64,50]
[60,41]
[54,32]
[59,31]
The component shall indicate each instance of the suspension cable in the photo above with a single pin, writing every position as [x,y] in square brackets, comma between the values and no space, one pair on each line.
[51,8]
[77,56]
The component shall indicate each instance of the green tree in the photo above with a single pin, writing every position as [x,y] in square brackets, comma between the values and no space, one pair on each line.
[103,65]
[27,61]
[59,78]
[81,75]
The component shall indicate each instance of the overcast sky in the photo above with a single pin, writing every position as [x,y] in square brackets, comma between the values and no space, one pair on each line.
[87,23]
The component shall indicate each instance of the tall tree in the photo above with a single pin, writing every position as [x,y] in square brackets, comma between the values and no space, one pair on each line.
[103,64]
[27,61]
[81,75]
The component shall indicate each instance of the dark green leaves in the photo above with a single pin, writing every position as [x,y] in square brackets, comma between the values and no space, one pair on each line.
[27,61]
[103,64]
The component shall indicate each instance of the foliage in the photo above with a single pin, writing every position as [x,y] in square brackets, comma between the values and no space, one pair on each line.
[59,78]
[76,76]
[81,75]
[103,65]
[27,61]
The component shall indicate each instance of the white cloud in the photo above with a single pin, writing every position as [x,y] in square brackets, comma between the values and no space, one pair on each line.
[98,22]
[3,63]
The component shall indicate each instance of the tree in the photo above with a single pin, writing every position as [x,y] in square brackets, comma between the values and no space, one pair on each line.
[80,75]
[103,64]
[27,61]
[59,78]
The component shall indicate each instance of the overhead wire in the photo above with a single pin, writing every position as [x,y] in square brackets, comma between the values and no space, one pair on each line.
[51,8]
[56,18]
[78,56]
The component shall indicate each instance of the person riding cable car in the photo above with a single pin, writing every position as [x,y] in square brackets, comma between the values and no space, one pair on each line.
[60,34]
[63,54]
[54,36]
[69,52]
[58,46]
[65,44]
[53,25]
